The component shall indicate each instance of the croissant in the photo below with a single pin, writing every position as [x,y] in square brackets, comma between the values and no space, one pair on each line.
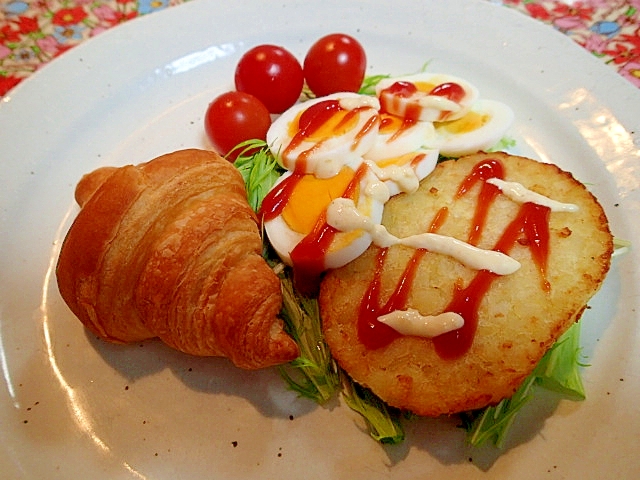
[171,249]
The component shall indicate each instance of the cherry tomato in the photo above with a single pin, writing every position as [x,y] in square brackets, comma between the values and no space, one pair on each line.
[335,63]
[234,117]
[272,74]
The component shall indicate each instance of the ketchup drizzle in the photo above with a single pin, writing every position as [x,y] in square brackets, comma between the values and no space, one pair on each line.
[313,119]
[449,90]
[401,89]
[276,199]
[482,171]
[530,227]
[407,123]
[389,97]
[317,115]
[417,159]
[308,256]
[371,123]
[532,221]
[372,332]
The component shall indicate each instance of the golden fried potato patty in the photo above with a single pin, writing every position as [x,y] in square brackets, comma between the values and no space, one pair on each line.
[518,318]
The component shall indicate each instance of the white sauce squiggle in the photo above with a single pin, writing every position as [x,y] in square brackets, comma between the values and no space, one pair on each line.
[359,101]
[520,194]
[438,103]
[402,175]
[343,215]
[412,322]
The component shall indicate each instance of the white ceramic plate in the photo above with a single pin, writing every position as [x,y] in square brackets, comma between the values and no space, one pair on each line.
[75,407]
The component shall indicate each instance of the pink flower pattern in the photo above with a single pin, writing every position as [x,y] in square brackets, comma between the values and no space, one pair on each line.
[609,29]
[34,32]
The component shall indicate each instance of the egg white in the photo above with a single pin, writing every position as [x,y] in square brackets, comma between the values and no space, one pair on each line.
[410,139]
[499,118]
[325,159]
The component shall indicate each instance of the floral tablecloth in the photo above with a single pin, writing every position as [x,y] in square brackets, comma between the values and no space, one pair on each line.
[34,32]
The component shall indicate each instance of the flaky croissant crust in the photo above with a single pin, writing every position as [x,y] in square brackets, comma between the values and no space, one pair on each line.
[171,249]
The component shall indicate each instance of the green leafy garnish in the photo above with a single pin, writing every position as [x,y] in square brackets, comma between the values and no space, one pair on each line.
[313,374]
[620,246]
[503,145]
[493,423]
[383,422]
[558,371]
[369,83]
[259,170]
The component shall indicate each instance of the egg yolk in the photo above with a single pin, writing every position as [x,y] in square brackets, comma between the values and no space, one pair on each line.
[344,240]
[389,123]
[468,123]
[399,160]
[425,87]
[311,197]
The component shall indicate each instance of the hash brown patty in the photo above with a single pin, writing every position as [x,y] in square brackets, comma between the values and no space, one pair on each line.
[518,319]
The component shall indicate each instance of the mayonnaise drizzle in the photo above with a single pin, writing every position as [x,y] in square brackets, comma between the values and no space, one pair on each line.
[353,102]
[402,175]
[520,194]
[344,216]
[412,322]
[438,103]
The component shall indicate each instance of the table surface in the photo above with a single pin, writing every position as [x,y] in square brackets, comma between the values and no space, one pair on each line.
[35,32]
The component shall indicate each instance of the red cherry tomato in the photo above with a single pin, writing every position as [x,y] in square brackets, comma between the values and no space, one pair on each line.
[234,117]
[335,63]
[272,74]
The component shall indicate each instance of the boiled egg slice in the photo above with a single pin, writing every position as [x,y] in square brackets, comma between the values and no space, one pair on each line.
[402,173]
[479,129]
[397,136]
[322,135]
[304,214]
[427,97]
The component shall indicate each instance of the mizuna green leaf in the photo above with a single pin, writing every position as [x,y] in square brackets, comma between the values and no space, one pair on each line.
[558,371]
